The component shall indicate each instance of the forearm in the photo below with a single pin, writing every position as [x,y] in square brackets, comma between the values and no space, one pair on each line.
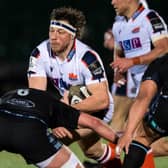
[106,131]
[93,103]
[98,100]
[135,116]
[159,50]
[147,91]
[97,125]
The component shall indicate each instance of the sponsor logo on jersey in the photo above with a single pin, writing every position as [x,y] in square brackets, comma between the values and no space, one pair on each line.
[136,30]
[21,102]
[131,44]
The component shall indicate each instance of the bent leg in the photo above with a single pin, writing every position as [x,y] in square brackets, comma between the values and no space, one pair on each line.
[122,105]
[91,144]
[103,153]
[135,156]
[64,158]
[160,147]
[139,151]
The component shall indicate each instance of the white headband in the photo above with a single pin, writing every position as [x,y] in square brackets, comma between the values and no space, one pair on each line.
[67,27]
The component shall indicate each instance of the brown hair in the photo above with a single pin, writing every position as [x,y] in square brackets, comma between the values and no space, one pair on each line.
[73,16]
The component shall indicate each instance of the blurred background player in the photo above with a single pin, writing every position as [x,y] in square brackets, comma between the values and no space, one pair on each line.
[122,102]
[124,88]
[133,35]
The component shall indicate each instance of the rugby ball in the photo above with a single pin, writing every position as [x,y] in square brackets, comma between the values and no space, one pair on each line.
[77,94]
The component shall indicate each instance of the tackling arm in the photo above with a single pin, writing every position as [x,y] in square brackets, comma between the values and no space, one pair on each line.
[98,126]
[147,91]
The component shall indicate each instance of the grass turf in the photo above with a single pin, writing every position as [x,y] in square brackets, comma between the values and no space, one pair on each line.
[9,160]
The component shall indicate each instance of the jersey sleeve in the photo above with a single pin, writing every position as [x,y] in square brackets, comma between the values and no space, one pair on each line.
[36,66]
[92,68]
[64,115]
[156,26]
[157,74]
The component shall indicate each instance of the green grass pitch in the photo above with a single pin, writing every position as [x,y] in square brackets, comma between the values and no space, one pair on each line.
[9,160]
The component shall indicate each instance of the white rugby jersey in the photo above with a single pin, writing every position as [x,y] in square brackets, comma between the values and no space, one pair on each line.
[82,66]
[135,36]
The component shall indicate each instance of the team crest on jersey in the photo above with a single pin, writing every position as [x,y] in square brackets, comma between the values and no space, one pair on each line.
[136,30]
[72,76]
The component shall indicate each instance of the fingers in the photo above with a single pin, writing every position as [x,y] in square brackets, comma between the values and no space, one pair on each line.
[122,64]
[62,132]
[118,151]
[127,148]
[123,144]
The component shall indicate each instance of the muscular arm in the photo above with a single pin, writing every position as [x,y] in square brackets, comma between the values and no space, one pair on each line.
[37,83]
[98,126]
[147,91]
[160,49]
[97,101]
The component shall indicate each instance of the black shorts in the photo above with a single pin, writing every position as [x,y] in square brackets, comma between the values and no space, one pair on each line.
[157,71]
[28,137]
[157,118]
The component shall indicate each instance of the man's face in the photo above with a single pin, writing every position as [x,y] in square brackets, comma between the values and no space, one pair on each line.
[121,6]
[59,39]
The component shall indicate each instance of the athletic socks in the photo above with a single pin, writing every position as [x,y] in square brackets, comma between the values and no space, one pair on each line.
[108,159]
[149,160]
[135,156]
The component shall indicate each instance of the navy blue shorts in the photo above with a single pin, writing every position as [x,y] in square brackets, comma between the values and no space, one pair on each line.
[28,137]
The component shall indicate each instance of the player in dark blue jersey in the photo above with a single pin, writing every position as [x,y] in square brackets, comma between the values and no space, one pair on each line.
[26,119]
[151,124]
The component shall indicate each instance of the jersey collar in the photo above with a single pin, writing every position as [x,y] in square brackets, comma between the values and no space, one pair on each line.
[72,52]
[138,12]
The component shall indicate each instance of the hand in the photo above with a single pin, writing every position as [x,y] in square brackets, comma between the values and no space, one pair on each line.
[61,132]
[122,64]
[124,143]
[119,78]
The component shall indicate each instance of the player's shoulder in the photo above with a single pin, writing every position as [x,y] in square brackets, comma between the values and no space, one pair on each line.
[149,13]
[119,20]
[44,45]
[41,50]
[83,49]
[155,20]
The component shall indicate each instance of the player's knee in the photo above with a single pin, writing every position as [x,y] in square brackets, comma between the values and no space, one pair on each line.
[64,158]
[94,151]
[160,147]
[72,162]
[165,145]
